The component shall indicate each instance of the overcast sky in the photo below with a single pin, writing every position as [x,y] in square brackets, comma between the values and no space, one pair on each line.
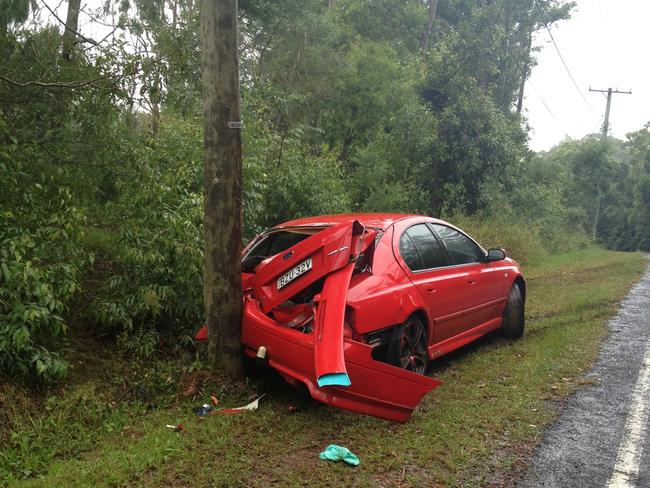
[604,45]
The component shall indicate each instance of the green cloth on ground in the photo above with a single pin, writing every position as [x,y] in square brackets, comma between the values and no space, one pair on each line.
[337,453]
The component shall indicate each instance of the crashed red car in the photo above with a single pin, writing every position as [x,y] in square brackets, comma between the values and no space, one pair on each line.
[354,306]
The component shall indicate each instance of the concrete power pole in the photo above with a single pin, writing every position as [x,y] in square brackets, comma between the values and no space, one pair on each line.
[605,130]
[222,183]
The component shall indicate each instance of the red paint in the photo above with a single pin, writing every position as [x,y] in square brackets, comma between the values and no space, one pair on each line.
[294,315]
[202,333]
[328,345]
[329,251]
[458,303]
[377,388]
[329,326]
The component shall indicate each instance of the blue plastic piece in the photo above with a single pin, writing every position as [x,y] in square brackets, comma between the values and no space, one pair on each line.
[334,379]
[338,453]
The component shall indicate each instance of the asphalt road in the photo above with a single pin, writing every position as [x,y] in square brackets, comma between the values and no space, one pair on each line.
[601,438]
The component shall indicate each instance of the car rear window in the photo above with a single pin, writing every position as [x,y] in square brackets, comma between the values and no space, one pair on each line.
[276,242]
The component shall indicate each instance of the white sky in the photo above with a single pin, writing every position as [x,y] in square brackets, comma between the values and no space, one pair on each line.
[604,45]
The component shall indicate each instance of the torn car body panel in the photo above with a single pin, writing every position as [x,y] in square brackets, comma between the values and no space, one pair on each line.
[319,255]
[329,358]
[329,325]
[376,388]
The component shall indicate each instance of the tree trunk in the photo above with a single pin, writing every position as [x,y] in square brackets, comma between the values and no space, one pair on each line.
[345,147]
[222,186]
[524,73]
[597,213]
[71,28]
[154,102]
[432,6]
[174,7]
[436,202]
[505,95]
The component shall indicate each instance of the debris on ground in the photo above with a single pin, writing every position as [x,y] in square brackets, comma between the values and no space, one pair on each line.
[175,428]
[214,400]
[293,409]
[254,405]
[339,453]
[203,410]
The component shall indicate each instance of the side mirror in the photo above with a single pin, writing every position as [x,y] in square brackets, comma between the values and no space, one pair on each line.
[495,254]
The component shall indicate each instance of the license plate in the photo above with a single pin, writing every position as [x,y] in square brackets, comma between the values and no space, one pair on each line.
[294,273]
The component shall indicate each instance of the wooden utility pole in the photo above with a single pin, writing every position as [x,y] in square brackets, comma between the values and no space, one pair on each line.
[610,92]
[222,185]
[604,132]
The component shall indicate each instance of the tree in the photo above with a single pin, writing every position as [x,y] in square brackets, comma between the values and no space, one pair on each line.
[592,168]
[13,11]
[71,27]
[222,183]
[432,7]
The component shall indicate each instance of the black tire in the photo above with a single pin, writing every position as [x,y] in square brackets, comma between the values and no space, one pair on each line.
[513,316]
[408,346]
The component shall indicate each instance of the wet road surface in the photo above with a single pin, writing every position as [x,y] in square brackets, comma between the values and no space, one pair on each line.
[602,439]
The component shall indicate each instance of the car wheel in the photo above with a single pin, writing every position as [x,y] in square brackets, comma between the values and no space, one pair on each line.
[513,316]
[408,348]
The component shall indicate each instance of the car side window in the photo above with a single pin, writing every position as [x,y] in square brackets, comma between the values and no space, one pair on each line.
[420,249]
[461,249]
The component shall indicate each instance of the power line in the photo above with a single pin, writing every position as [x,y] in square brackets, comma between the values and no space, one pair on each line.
[609,92]
[548,109]
[557,49]
[518,59]
[546,106]
[522,61]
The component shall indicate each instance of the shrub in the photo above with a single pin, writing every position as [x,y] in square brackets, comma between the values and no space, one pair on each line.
[40,261]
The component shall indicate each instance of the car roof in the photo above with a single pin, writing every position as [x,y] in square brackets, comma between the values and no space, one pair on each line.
[374,220]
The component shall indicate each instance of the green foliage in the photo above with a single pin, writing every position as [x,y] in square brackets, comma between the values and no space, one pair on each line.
[149,249]
[617,172]
[39,273]
[49,137]
[14,11]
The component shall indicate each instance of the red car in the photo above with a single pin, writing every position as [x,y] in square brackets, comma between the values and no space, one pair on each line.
[354,306]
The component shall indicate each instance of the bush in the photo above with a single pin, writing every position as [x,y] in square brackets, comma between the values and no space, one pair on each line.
[40,261]
[148,275]
[524,240]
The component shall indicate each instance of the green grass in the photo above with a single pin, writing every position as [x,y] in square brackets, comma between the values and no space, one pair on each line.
[477,429]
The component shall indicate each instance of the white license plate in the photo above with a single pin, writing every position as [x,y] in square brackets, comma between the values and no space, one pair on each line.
[293,273]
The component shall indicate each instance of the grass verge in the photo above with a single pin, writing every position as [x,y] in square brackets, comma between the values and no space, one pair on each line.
[477,429]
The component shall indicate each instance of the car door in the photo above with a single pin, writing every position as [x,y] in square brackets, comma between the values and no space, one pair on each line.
[481,287]
[443,288]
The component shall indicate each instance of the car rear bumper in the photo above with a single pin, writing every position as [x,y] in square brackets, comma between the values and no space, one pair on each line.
[376,388]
